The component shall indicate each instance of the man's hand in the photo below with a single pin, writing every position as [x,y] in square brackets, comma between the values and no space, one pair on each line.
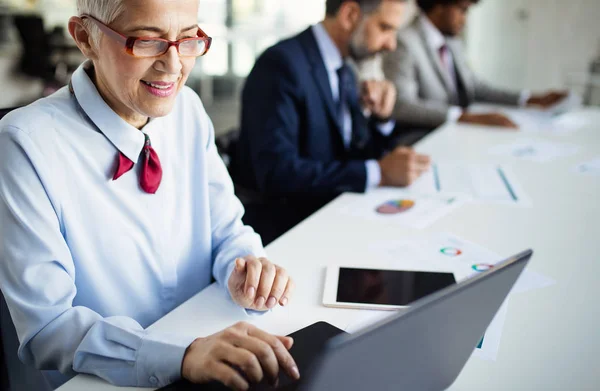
[239,355]
[257,284]
[488,119]
[379,97]
[402,167]
[548,99]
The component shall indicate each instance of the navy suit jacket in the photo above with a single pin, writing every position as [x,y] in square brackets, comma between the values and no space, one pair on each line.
[290,142]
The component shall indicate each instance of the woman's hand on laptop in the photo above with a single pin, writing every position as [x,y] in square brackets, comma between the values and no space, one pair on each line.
[239,355]
[258,284]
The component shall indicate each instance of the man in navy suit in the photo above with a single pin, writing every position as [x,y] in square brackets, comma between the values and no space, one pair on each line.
[308,133]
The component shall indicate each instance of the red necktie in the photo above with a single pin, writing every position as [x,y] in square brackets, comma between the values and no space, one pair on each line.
[151,170]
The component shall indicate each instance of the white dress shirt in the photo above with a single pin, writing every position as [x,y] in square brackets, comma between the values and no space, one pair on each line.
[87,263]
[333,61]
[436,40]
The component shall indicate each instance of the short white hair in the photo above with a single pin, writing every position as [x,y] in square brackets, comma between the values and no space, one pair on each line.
[106,11]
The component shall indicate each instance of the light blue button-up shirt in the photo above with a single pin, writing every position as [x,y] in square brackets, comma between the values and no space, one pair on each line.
[87,263]
[333,61]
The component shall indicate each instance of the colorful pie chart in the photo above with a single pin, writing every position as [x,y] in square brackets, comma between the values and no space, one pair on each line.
[482,267]
[395,206]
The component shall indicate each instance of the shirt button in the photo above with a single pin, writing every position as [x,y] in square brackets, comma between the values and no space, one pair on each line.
[153,380]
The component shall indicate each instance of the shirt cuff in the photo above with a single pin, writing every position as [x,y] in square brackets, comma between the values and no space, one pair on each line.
[160,358]
[373,174]
[386,128]
[228,273]
[524,97]
[454,113]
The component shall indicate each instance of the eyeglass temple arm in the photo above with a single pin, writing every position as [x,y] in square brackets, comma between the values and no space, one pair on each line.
[106,30]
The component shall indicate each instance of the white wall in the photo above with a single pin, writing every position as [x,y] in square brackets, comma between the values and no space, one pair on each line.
[533,43]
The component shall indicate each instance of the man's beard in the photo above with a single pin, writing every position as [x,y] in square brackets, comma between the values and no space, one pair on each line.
[448,33]
[358,47]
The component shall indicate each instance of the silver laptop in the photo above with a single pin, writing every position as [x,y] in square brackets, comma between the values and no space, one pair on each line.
[421,349]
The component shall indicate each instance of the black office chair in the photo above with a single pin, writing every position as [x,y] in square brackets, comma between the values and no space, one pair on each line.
[14,375]
[3,365]
[270,217]
[36,57]
[45,55]
[3,112]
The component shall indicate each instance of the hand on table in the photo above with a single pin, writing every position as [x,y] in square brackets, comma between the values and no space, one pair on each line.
[488,119]
[258,284]
[548,99]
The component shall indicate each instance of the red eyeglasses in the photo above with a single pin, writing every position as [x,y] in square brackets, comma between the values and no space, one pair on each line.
[155,47]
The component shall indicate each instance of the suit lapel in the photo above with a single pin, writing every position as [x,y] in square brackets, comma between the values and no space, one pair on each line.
[434,57]
[319,72]
[462,71]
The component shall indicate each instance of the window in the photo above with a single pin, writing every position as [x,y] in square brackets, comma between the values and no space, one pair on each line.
[245,28]
[242,29]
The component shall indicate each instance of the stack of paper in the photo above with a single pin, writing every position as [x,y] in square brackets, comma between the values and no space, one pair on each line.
[482,182]
[591,167]
[446,252]
[535,150]
[400,207]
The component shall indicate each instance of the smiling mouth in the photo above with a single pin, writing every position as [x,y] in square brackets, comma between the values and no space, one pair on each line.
[161,86]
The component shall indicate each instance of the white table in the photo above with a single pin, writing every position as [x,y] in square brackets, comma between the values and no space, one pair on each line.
[551,338]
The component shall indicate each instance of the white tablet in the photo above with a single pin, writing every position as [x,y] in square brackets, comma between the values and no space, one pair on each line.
[380,289]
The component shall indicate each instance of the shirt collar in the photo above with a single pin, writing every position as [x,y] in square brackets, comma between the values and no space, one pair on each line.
[125,137]
[331,55]
[435,39]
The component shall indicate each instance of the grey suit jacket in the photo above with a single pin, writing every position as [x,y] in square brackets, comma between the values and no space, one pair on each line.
[424,88]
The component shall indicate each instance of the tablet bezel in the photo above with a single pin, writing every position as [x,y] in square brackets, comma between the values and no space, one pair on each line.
[332,279]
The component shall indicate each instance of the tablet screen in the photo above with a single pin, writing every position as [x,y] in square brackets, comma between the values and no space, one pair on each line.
[388,287]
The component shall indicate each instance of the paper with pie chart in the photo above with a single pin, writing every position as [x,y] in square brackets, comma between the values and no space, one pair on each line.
[540,151]
[398,207]
[482,182]
[588,168]
[447,252]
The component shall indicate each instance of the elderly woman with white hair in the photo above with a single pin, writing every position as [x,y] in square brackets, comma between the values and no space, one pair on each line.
[115,208]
